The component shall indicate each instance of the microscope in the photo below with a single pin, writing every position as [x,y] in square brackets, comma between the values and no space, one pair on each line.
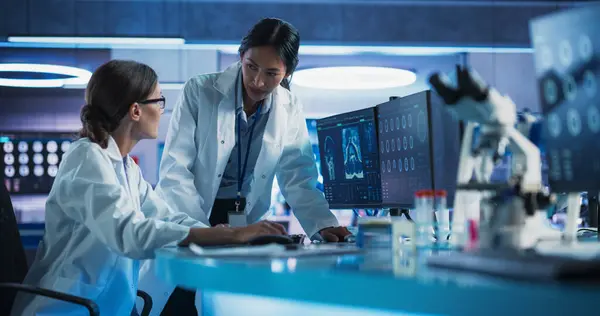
[498,210]
[495,213]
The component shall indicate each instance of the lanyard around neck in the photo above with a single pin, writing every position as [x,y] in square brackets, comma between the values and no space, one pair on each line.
[242,169]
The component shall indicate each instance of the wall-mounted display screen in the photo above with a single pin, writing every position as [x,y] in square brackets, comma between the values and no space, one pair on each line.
[29,160]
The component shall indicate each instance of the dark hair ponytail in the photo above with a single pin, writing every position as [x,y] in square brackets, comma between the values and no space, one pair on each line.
[279,34]
[95,125]
[113,88]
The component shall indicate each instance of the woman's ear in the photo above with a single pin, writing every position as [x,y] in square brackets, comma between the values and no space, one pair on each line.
[135,112]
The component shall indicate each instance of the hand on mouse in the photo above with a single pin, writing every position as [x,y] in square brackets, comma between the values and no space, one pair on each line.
[244,234]
[334,234]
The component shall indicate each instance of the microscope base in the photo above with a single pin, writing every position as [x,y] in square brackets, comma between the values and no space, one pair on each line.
[521,265]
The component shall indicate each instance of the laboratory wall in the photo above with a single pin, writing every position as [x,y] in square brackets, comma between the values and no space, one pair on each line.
[49,109]
[512,74]
[41,109]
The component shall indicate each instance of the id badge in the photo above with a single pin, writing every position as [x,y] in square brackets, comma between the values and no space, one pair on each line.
[237,219]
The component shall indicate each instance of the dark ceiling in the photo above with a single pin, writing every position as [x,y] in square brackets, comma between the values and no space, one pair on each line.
[499,23]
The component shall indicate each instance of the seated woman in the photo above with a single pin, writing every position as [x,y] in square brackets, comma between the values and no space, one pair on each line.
[101,215]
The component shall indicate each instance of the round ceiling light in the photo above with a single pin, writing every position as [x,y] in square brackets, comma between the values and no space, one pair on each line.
[75,76]
[353,78]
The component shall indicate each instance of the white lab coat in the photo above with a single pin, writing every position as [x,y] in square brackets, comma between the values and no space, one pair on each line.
[96,228]
[199,142]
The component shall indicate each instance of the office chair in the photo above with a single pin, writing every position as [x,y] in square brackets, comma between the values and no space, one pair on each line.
[14,267]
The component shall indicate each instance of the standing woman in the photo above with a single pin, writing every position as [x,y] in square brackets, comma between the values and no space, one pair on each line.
[231,134]
[101,215]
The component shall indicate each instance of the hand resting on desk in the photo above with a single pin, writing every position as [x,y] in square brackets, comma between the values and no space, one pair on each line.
[223,235]
[335,234]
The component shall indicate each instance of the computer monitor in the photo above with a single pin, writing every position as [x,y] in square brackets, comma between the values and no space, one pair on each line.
[419,145]
[567,61]
[349,159]
[30,160]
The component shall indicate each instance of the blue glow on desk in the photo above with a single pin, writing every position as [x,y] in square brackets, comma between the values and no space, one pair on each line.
[368,282]
[219,303]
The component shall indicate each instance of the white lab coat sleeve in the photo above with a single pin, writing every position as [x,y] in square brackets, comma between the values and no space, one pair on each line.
[91,194]
[176,178]
[154,206]
[297,176]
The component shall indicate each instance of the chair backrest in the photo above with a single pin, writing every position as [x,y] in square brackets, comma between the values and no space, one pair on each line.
[12,254]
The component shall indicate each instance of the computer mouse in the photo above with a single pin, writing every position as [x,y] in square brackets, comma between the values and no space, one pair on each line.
[271,239]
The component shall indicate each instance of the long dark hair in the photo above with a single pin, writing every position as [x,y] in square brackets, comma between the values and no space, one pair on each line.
[279,34]
[113,88]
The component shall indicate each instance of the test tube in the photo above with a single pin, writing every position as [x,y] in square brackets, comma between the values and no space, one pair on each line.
[423,215]
[442,215]
[428,215]
[418,204]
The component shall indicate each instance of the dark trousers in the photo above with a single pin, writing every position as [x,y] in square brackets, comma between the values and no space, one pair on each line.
[182,301]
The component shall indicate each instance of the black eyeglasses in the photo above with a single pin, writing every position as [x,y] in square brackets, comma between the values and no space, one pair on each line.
[160,101]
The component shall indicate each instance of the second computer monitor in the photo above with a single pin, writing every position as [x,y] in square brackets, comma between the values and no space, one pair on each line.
[349,159]
[404,150]
[419,144]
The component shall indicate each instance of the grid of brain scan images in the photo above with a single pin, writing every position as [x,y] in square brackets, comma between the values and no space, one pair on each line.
[404,149]
[30,160]
[349,159]
[568,67]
